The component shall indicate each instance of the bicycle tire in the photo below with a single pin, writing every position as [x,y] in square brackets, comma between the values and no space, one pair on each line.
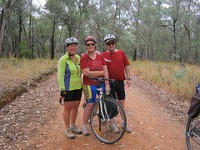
[193,133]
[101,126]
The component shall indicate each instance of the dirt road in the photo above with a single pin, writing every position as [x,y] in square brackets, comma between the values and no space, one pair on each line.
[34,121]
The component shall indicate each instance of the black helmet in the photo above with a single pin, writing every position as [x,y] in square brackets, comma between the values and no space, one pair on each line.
[71,40]
[109,37]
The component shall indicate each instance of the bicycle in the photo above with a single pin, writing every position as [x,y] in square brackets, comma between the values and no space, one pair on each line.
[105,113]
[193,125]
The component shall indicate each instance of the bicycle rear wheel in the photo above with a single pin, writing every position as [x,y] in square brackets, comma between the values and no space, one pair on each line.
[193,133]
[102,127]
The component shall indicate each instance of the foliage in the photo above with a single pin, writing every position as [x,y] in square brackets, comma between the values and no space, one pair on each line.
[162,30]
[176,77]
[24,51]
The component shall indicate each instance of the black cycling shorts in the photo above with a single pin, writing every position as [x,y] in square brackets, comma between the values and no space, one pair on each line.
[74,95]
[117,90]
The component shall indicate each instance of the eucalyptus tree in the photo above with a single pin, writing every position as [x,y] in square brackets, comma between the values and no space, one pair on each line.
[69,15]
[189,11]
[6,10]
[109,17]
[176,30]
[196,31]
[41,34]
[55,9]
[23,36]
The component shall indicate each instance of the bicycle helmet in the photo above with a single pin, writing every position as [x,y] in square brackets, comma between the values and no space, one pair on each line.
[71,40]
[109,37]
[90,38]
[198,88]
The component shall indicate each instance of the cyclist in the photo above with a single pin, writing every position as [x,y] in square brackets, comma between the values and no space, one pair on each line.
[70,85]
[195,102]
[92,65]
[118,69]
[197,93]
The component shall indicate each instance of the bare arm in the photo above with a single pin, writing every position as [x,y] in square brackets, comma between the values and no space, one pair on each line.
[105,70]
[128,76]
[89,73]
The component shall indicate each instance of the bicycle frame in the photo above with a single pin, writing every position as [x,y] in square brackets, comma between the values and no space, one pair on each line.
[102,105]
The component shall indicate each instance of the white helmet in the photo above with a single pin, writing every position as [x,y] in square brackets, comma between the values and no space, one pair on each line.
[109,37]
[71,40]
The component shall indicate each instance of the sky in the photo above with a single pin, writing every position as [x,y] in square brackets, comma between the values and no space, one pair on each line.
[39,3]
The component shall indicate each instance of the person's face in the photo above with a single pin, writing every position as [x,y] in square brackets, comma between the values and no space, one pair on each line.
[90,46]
[72,49]
[111,45]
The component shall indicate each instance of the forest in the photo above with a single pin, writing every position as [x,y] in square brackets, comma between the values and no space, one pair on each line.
[155,30]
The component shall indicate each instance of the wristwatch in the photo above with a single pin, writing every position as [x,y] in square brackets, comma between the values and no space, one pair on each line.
[128,78]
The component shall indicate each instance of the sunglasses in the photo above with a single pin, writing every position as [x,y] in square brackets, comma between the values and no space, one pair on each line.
[111,43]
[92,44]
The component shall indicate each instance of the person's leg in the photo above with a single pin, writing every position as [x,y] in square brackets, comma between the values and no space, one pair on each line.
[86,116]
[66,118]
[73,117]
[120,92]
[122,102]
[90,95]
[75,98]
[112,90]
[67,113]
[74,112]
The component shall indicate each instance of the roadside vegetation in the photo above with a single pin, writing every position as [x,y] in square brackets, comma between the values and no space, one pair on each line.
[16,70]
[175,77]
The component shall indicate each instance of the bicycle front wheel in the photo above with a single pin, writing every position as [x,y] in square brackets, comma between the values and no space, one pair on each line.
[193,133]
[107,125]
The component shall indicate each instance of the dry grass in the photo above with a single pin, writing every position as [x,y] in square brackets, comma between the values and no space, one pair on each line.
[13,70]
[178,78]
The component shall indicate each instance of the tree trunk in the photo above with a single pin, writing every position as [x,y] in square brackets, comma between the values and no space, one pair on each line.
[52,39]
[137,31]
[5,16]
[6,10]
[30,31]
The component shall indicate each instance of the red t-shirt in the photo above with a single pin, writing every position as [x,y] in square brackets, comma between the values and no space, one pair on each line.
[93,65]
[116,63]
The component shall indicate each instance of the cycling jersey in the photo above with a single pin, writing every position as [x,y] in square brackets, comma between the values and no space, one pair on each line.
[94,65]
[69,73]
[116,63]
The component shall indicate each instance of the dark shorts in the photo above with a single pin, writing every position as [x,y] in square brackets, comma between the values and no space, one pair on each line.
[117,90]
[74,95]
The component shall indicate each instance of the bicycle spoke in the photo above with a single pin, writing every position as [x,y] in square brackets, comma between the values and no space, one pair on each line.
[101,125]
[193,133]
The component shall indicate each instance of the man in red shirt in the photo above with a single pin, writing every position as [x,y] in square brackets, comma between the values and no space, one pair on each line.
[118,69]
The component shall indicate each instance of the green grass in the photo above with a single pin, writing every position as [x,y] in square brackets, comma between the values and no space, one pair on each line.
[180,79]
[17,70]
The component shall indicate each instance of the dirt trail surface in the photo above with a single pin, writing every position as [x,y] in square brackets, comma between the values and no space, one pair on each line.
[34,121]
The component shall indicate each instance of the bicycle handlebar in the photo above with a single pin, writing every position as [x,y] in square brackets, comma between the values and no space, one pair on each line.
[102,79]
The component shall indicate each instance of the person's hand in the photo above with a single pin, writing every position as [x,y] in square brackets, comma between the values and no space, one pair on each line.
[63,93]
[128,83]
